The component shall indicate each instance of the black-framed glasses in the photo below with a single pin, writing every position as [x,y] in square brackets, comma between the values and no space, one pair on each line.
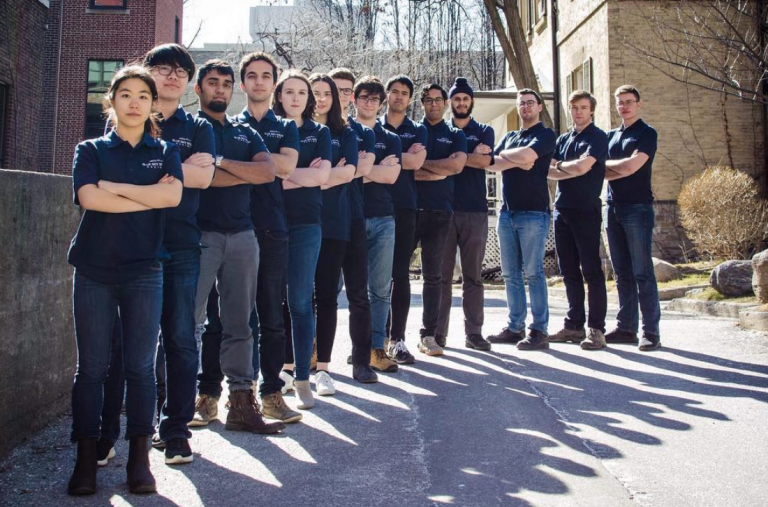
[165,70]
[436,101]
[527,103]
[626,102]
[369,99]
[345,91]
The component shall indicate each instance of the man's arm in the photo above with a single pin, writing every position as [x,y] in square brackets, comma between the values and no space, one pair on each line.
[222,178]
[481,157]
[621,168]
[198,170]
[451,165]
[571,168]
[261,168]
[424,175]
[315,175]
[414,158]
[385,172]
[341,174]
[365,162]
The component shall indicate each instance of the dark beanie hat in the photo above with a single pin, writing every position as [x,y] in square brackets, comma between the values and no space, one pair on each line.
[461,86]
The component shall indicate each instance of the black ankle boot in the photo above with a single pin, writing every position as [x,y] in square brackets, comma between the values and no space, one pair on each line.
[140,479]
[83,480]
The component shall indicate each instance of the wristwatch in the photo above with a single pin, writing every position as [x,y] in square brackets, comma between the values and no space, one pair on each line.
[217,160]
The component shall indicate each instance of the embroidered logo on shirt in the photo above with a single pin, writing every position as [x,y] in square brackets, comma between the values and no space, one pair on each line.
[473,138]
[274,134]
[183,142]
[407,135]
[155,163]
[336,142]
[242,138]
[444,140]
[309,139]
[381,146]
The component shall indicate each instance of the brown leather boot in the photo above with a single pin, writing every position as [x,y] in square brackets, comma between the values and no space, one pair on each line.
[83,480]
[244,414]
[140,479]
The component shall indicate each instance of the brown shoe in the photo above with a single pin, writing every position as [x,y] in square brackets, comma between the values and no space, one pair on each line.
[140,479]
[273,406]
[206,410]
[380,361]
[244,414]
[83,480]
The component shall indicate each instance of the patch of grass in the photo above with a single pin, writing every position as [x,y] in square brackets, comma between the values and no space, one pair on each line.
[688,279]
[710,294]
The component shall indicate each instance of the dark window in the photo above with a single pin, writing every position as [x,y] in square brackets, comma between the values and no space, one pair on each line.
[108,4]
[99,76]
[3,120]
[176,34]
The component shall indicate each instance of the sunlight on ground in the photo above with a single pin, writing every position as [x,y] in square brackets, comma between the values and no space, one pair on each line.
[435,376]
[234,458]
[292,448]
[336,402]
[370,395]
[315,422]
[406,386]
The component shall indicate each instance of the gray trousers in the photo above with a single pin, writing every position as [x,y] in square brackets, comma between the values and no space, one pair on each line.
[232,262]
[468,232]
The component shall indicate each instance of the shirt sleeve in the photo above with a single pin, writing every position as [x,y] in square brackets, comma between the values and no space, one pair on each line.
[323,143]
[422,136]
[559,144]
[290,137]
[172,161]
[85,168]
[257,143]
[394,146]
[598,146]
[500,146]
[204,141]
[459,142]
[543,143]
[349,148]
[647,142]
[487,139]
[369,140]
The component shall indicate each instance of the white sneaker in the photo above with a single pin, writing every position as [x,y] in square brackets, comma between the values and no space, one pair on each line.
[287,379]
[324,384]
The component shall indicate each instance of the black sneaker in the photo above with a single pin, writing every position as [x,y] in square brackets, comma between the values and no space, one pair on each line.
[440,340]
[364,374]
[398,352]
[105,451]
[477,342]
[650,342]
[177,452]
[621,336]
[157,443]
[507,336]
[536,340]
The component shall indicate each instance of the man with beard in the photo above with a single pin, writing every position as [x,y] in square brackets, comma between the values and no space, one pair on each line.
[468,228]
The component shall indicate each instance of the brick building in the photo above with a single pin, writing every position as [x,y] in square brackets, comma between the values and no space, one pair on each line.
[56,60]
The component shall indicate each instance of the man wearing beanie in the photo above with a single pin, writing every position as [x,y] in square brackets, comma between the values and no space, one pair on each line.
[468,228]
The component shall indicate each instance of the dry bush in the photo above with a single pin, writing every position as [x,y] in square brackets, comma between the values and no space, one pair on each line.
[723,213]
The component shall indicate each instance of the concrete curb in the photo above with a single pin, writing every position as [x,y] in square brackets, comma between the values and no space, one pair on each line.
[711,308]
[613,297]
[754,319]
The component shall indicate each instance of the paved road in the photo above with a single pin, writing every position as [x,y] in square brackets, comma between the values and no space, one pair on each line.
[684,426]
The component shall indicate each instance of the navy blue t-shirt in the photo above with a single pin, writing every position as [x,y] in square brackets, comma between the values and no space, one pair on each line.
[378,196]
[303,205]
[117,247]
[190,135]
[622,143]
[527,190]
[336,215]
[366,141]
[228,209]
[443,140]
[470,193]
[404,189]
[267,209]
[582,192]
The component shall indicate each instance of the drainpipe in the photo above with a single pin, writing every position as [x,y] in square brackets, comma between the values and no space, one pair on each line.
[556,68]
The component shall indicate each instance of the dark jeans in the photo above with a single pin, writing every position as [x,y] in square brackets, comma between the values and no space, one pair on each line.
[114,387]
[267,321]
[405,234]
[431,232]
[210,377]
[630,234]
[577,240]
[355,269]
[96,305]
[327,275]
[469,233]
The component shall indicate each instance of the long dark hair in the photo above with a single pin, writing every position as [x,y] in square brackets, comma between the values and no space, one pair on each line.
[151,126]
[336,122]
[277,106]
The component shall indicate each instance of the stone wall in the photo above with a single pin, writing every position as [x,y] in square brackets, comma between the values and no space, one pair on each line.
[37,362]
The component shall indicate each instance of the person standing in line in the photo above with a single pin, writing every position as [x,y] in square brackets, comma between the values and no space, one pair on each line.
[413,138]
[523,157]
[446,156]
[258,78]
[354,266]
[123,181]
[293,100]
[578,166]
[630,220]
[468,228]
[230,255]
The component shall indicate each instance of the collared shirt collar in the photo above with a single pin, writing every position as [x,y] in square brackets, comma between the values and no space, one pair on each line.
[270,116]
[471,125]
[533,129]
[115,140]
[587,130]
[635,126]
[442,123]
[214,121]
[179,114]
[309,125]
[406,121]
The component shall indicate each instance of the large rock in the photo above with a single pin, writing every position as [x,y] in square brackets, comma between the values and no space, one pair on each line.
[732,278]
[760,275]
[665,271]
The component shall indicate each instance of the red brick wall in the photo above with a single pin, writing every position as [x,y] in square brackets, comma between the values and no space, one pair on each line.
[165,20]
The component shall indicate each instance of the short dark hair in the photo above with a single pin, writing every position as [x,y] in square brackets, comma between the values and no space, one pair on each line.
[277,106]
[372,85]
[432,86]
[170,54]
[627,88]
[580,95]
[219,66]
[343,73]
[258,56]
[528,91]
[402,79]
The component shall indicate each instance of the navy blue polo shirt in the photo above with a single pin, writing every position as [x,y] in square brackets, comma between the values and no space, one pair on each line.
[443,140]
[190,135]
[303,205]
[582,192]
[117,247]
[267,209]
[622,143]
[470,193]
[228,209]
[366,141]
[404,189]
[527,190]
[336,215]
[378,196]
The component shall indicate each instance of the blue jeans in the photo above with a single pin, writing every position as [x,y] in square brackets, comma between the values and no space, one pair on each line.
[522,240]
[629,229]
[380,232]
[303,251]
[96,306]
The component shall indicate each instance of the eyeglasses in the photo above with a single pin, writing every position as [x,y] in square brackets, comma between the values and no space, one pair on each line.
[345,91]
[165,70]
[368,99]
[527,103]
[437,101]
[620,103]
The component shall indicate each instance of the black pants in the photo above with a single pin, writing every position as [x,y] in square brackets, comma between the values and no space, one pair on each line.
[405,242]
[354,266]
[327,273]
[432,232]
[577,239]
[210,379]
